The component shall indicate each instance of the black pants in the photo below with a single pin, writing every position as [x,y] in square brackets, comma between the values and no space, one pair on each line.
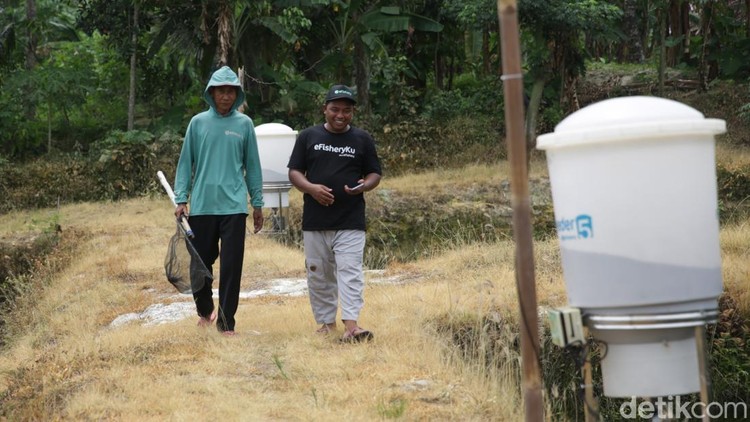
[230,231]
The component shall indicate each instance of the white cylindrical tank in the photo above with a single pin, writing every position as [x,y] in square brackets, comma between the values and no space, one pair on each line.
[634,190]
[275,144]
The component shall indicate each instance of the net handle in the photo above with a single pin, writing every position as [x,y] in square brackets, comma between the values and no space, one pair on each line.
[182,220]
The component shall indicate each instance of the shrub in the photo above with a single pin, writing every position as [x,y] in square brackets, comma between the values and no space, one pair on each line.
[421,144]
[407,146]
[46,183]
[729,345]
[734,192]
[122,165]
[469,97]
[490,340]
[22,258]
[128,161]
[404,227]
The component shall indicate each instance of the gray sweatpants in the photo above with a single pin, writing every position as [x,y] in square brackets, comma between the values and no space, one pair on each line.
[334,270]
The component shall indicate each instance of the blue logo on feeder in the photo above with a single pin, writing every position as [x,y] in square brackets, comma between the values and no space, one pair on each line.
[580,227]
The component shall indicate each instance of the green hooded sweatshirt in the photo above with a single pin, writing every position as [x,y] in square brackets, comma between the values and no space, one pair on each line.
[219,164]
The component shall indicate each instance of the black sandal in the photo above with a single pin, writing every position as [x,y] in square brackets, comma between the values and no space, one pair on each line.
[357,336]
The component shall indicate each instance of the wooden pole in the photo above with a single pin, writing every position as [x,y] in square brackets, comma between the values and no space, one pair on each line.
[515,134]
[705,381]
[590,406]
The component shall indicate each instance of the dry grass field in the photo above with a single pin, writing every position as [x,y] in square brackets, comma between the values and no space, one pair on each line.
[65,360]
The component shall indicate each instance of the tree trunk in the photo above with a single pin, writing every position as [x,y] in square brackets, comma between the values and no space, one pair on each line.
[451,73]
[662,17]
[31,62]
[49,126]
[499,52]
[468,50]
[440,65]
[133,63]
[703,66]
[633,45]
[685,25]
[532,114]
[672,29]
[650,32]
[362,75]
[486,53]
[225,33]
[208,44]
[678,26]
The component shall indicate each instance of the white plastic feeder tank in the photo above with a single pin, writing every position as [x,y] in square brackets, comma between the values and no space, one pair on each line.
[275,144]
[634,191]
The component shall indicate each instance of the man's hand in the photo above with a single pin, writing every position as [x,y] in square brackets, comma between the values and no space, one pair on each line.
[257,219]
[320,193]
[323,194]
[356,190]
[180,211]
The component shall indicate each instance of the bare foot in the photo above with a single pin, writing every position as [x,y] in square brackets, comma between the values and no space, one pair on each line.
[205,322]
[326,328]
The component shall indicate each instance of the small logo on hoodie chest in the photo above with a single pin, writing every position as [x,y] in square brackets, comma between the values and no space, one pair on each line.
[231,133]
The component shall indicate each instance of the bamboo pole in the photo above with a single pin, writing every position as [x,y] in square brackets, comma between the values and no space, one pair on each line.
[525,283]
[705,381]
[590,405]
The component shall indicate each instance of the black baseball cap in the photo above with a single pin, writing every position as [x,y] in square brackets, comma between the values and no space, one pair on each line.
[341,92]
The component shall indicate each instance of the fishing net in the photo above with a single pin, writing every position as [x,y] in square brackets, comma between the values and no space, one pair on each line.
[184,267]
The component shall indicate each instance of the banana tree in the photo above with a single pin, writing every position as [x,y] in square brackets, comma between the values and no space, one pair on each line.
[554,51]
[357,26]
[27,35]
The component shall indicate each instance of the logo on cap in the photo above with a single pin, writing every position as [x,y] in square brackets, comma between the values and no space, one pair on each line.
[338,92]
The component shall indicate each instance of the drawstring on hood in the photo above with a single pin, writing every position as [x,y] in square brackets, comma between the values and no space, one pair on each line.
[224,76]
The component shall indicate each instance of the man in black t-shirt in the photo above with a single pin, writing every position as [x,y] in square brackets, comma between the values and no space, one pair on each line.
[333,164]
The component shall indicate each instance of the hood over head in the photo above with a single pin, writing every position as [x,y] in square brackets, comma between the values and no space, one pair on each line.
[224,76]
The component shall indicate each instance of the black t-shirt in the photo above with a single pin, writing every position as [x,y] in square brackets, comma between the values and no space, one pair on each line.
[334,160]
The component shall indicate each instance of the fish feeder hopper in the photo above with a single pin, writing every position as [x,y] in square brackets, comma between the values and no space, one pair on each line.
[275,144]
[635,200]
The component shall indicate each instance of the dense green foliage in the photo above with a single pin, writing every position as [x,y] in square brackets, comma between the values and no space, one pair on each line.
[65,68]
[428,76]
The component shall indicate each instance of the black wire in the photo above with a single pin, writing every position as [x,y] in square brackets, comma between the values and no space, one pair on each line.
[601,343]
[579,352]
[583,356]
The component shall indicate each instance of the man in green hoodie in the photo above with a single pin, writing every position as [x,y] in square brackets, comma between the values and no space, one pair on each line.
[218,168]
